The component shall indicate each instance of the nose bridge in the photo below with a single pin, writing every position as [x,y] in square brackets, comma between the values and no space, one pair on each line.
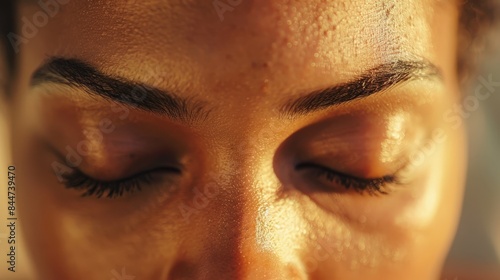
[269,248]
[260,234]
[253,235]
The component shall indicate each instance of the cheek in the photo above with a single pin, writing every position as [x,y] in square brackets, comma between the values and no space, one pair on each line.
[64,232]
[413,227]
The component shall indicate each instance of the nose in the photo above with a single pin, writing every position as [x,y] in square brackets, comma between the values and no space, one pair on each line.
[245,232]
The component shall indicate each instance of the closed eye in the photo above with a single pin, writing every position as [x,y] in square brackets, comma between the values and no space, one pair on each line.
[113,189]
[371,186]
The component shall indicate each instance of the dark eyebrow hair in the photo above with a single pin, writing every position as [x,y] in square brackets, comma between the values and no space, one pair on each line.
[375,80]
[78,74]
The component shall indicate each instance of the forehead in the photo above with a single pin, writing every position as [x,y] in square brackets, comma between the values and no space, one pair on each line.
[218,42]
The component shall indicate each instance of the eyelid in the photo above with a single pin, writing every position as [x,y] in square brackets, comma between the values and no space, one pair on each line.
[78,180]
[167,165]
[306,165]
[372,186]
[130,177]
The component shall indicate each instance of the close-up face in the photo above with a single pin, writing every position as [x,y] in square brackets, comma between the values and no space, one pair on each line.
[238,139]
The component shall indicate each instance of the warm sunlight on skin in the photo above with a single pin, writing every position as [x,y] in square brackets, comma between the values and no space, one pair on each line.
[277,143]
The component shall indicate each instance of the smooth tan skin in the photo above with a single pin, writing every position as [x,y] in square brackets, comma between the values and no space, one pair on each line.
[263,221]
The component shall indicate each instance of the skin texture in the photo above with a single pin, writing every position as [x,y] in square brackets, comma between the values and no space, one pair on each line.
[258,217]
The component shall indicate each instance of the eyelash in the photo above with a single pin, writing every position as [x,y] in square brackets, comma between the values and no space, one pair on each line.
[373,186]
[112,189]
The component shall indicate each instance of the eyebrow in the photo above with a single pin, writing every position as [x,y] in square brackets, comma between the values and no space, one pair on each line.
[78,74]
[375,80]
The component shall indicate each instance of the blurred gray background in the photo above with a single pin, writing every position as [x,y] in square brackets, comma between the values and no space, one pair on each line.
[478,237]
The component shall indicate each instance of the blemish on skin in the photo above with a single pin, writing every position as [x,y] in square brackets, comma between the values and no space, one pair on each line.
[260,64]
[389,10]
[265,86]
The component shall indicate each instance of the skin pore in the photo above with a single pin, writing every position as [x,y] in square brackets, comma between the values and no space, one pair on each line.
[276,143]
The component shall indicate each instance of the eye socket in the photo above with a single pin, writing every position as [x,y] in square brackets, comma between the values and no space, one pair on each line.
[334,181]
[76,179]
